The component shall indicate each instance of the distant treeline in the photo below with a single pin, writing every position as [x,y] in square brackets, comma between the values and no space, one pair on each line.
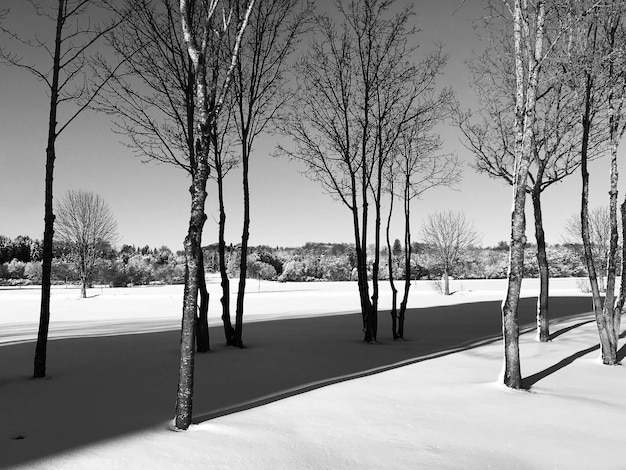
[20,263]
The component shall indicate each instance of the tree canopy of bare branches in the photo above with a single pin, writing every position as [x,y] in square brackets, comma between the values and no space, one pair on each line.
[71,90]
[85,223]
[359,88]
[449,234]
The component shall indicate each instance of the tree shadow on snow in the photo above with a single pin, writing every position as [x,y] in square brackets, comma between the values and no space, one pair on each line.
[101,388]
[531,380]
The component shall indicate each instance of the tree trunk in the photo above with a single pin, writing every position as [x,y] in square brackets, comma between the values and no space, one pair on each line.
[245,234]
[46,270]
[229,331]
[407,261]
[376,265]
[609,348]
[193,253]
[39,369]
[394,290]
[543,326]
[446,281]
[184,396]
[202,321]
[584,220]
[619,304]
[510,325]
[524,123]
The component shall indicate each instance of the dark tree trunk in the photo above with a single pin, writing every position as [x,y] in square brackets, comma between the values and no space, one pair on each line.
[229,331]
[46,271]
[193,254]
[245,234]
[584,219]
[407,261]
[202,321]
[543,325]
[184,396]
[370,320]
[360,268]
[376,265]
[39,369]
[392,284]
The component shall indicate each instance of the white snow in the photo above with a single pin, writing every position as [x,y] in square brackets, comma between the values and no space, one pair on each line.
[106,400]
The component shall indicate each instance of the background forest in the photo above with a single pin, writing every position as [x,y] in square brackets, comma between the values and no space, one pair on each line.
[20,263]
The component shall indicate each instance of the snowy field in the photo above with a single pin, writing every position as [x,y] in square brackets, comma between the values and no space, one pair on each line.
[286,402]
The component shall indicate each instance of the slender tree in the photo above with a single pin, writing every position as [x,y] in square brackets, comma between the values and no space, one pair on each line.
[600,41]
[490,135]
[416,167]
[206,44]
[528,28]
[84,223]
[359,87]
[260,93]
[71,90]
[152,102]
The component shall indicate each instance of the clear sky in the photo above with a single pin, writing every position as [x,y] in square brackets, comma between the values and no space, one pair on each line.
[151,201]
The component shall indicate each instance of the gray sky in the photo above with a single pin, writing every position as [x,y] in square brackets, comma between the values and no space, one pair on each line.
[151,201]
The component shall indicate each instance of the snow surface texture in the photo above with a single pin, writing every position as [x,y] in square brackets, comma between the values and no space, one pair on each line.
[109,397]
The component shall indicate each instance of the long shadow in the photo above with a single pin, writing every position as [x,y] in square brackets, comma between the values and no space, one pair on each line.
[531,380]
[562,331]
[101,388]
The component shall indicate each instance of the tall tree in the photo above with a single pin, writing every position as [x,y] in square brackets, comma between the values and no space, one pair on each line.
[555,142]
[70,90]
[152,102]
[260,93]
[449,234]
[359,86]
[416,167]
[597,72]
[85,223]
[528,28]
[208,43]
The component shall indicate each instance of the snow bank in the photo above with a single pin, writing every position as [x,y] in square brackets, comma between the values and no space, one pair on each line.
[108,400]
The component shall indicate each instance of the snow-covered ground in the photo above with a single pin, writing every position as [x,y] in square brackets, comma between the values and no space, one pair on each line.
[110,392]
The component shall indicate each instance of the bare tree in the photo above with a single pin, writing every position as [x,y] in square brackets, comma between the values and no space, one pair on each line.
[85,223]
[260,93]
[416,167]
[449,234]
[359,87]
[528,28]
[593,65]
[203,45]
[490,136]
[70,90]
[599,238]
[152,103]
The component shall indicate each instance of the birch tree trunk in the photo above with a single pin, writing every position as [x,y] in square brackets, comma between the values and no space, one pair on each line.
[209,106]
[524,120]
